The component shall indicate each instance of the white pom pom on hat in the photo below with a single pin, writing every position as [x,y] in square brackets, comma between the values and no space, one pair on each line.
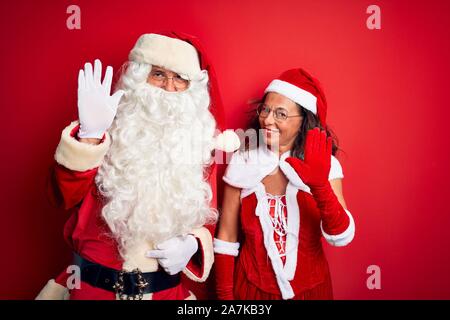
[228,141]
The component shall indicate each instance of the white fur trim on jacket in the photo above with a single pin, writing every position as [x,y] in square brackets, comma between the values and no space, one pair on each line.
[305,98]
[262,211]
[340,240]
[226,247]
[170,53]
[79,156]
[293,229]
[205,238]
[53,291]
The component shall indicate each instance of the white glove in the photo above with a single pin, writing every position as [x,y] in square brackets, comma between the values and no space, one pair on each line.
[174,254]
[96,108]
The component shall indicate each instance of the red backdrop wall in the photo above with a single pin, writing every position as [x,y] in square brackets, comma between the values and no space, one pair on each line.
[388,103]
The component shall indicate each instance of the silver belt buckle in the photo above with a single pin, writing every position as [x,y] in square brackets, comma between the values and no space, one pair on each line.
[141,284]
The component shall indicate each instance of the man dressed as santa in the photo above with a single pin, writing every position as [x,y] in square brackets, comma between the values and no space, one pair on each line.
[135,171]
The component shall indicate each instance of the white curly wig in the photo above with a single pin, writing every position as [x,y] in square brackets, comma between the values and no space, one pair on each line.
[153,177]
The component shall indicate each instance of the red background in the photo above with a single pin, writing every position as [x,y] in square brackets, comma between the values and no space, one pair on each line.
[388,103]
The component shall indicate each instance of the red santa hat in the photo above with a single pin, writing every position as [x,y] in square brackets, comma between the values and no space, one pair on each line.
[183,54]
[299,86]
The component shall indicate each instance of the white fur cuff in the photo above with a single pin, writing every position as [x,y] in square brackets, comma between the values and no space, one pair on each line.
[53,291]
[79,156]
[345,237]
[204,236]
[225,247]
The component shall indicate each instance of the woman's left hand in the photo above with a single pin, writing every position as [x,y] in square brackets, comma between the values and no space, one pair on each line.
[315,168]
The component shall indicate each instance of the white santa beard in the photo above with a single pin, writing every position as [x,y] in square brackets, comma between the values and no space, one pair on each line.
[153,174]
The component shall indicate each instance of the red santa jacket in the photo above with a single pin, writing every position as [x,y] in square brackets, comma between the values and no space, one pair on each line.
[73,187]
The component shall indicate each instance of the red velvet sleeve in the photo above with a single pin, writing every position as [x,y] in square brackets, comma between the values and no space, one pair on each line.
[67,188]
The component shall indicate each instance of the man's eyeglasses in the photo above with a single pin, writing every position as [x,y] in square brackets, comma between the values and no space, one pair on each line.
[160,78]
[280,114]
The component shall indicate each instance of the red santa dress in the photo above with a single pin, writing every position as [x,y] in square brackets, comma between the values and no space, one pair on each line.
[281,254]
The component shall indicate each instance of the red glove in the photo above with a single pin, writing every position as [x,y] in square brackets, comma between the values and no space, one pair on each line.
[314,171]
[224,276]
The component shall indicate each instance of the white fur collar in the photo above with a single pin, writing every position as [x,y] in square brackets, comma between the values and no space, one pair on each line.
[247,168]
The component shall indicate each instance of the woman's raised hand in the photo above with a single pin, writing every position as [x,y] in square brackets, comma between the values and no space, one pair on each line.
[315,167]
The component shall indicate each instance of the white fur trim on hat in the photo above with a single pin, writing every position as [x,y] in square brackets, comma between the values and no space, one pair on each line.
[170,53]
[79,156]
[226,247]
[306,99]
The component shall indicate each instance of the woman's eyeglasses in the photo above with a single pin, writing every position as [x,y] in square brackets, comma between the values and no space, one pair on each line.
[161,78]
[280,114]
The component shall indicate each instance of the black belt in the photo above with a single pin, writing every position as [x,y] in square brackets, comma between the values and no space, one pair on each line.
[128,285]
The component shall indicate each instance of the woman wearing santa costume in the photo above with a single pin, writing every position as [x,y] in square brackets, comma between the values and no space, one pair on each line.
[280,198]
[136,181]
